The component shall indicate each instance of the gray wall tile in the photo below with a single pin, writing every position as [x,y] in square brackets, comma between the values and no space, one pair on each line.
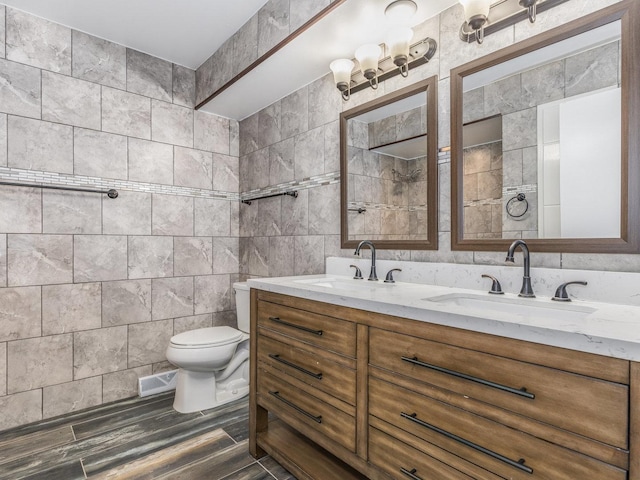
[123,384]
[99,154]
[273,24]
[126,302]
[226,173]
[234,138]
[3,368]
[295,113]
[39,362]
[211,132]
[39,259]
[308,255]
[22,93]
[150,162]
[69,308]
[129,214]
[99,351]
[70,101]
[255,168]
[269,125]
[3,260]
[226,255]
[37,145]
[149,76]
[192,168]
[223,66]
[3,140]
[171,124]
[20,210]
[281,262]
[21,408]
[295,215]
[172,215]
[192,256]
[38,42]
[99,258]
[2,30]
[126,113]
[150,257]
[98,60]
[20,316]
[302,10]
[324,216]
[324,104]
[204,78]
[281,162]
[213,293]
[71,212]
[212,217]
[245,45]
[171,297]
[193,322]
[71,397]
[184,86]
[254,258]
[148,342]
[249,131]
[309,153]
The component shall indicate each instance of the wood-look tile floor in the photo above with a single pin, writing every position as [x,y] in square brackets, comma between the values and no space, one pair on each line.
[137,439]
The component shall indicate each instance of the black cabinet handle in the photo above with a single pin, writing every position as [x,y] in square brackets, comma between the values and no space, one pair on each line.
[521,392]
[317,419]
[277,358]
[293,325]
[410,473]
[516,464]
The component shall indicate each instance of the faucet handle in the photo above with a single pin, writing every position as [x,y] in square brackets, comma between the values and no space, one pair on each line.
[358,275]
[561,292]
[389,278]
[496,288]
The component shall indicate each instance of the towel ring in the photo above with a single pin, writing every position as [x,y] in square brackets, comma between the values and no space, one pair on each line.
[521,197]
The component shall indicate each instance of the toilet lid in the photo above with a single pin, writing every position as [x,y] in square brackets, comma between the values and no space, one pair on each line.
[209,337]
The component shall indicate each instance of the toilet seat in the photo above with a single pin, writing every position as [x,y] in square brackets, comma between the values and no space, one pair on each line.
[207,337]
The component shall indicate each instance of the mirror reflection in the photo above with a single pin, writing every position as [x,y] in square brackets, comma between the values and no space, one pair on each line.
[387,172]
[542,142]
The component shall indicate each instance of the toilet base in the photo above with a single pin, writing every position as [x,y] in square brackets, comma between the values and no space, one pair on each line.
[196,391]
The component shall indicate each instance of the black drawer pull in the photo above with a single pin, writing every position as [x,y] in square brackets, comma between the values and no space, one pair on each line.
[521,392]
[410,473]
[277,358]
[519,464]
[293,325]
[317,419]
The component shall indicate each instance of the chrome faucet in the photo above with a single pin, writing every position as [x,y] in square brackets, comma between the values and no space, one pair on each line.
[526,290]
[372,275]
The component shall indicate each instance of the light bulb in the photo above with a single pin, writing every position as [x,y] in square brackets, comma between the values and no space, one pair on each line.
[368,56]
[398,42]
[342,69]
[474,9]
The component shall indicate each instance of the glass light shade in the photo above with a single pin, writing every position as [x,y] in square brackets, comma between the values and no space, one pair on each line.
[400,11]
[368,56]
[475,8]
[342,69]
[398,42]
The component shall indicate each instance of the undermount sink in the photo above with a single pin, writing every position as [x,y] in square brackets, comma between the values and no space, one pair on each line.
[343,284]
[515,306]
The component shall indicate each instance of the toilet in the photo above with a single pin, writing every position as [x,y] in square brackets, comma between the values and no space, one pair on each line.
[213,362]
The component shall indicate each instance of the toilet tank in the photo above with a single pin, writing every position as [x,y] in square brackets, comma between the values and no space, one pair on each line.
[242,305]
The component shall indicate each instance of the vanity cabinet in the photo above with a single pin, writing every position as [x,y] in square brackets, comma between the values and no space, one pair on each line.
[384,397]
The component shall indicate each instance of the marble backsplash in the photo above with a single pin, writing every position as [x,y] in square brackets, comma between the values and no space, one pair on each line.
[608,287]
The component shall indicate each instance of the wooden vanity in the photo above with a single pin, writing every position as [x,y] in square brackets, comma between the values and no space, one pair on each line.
[342,393]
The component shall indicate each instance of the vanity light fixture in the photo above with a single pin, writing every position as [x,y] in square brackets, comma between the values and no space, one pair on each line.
[483,18]
[401,54]
[368,56]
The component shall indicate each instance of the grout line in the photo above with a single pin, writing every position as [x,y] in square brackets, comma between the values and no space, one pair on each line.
[73,433]
[83,469]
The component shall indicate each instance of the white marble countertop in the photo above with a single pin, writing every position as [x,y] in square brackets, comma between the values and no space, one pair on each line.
[602,328]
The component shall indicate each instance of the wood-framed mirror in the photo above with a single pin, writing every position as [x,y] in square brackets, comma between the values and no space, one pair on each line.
[545,142]
[388,170]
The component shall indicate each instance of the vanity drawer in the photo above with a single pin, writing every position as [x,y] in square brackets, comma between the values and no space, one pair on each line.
[310,366]
[552,396]
[404,462]
[320,330]
[491,445]
[303,410]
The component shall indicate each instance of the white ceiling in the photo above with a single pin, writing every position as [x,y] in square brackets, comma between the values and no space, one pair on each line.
[186,32]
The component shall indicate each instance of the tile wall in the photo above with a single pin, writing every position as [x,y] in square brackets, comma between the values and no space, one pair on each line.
[297,137]
[92,288]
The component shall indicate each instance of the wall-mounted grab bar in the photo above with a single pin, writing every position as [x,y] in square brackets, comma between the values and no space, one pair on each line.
[293,193]
[112,193]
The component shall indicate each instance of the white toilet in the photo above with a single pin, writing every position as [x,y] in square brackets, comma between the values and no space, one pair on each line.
[213,362]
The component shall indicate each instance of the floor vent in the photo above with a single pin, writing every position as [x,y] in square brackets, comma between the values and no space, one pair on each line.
[161,382]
